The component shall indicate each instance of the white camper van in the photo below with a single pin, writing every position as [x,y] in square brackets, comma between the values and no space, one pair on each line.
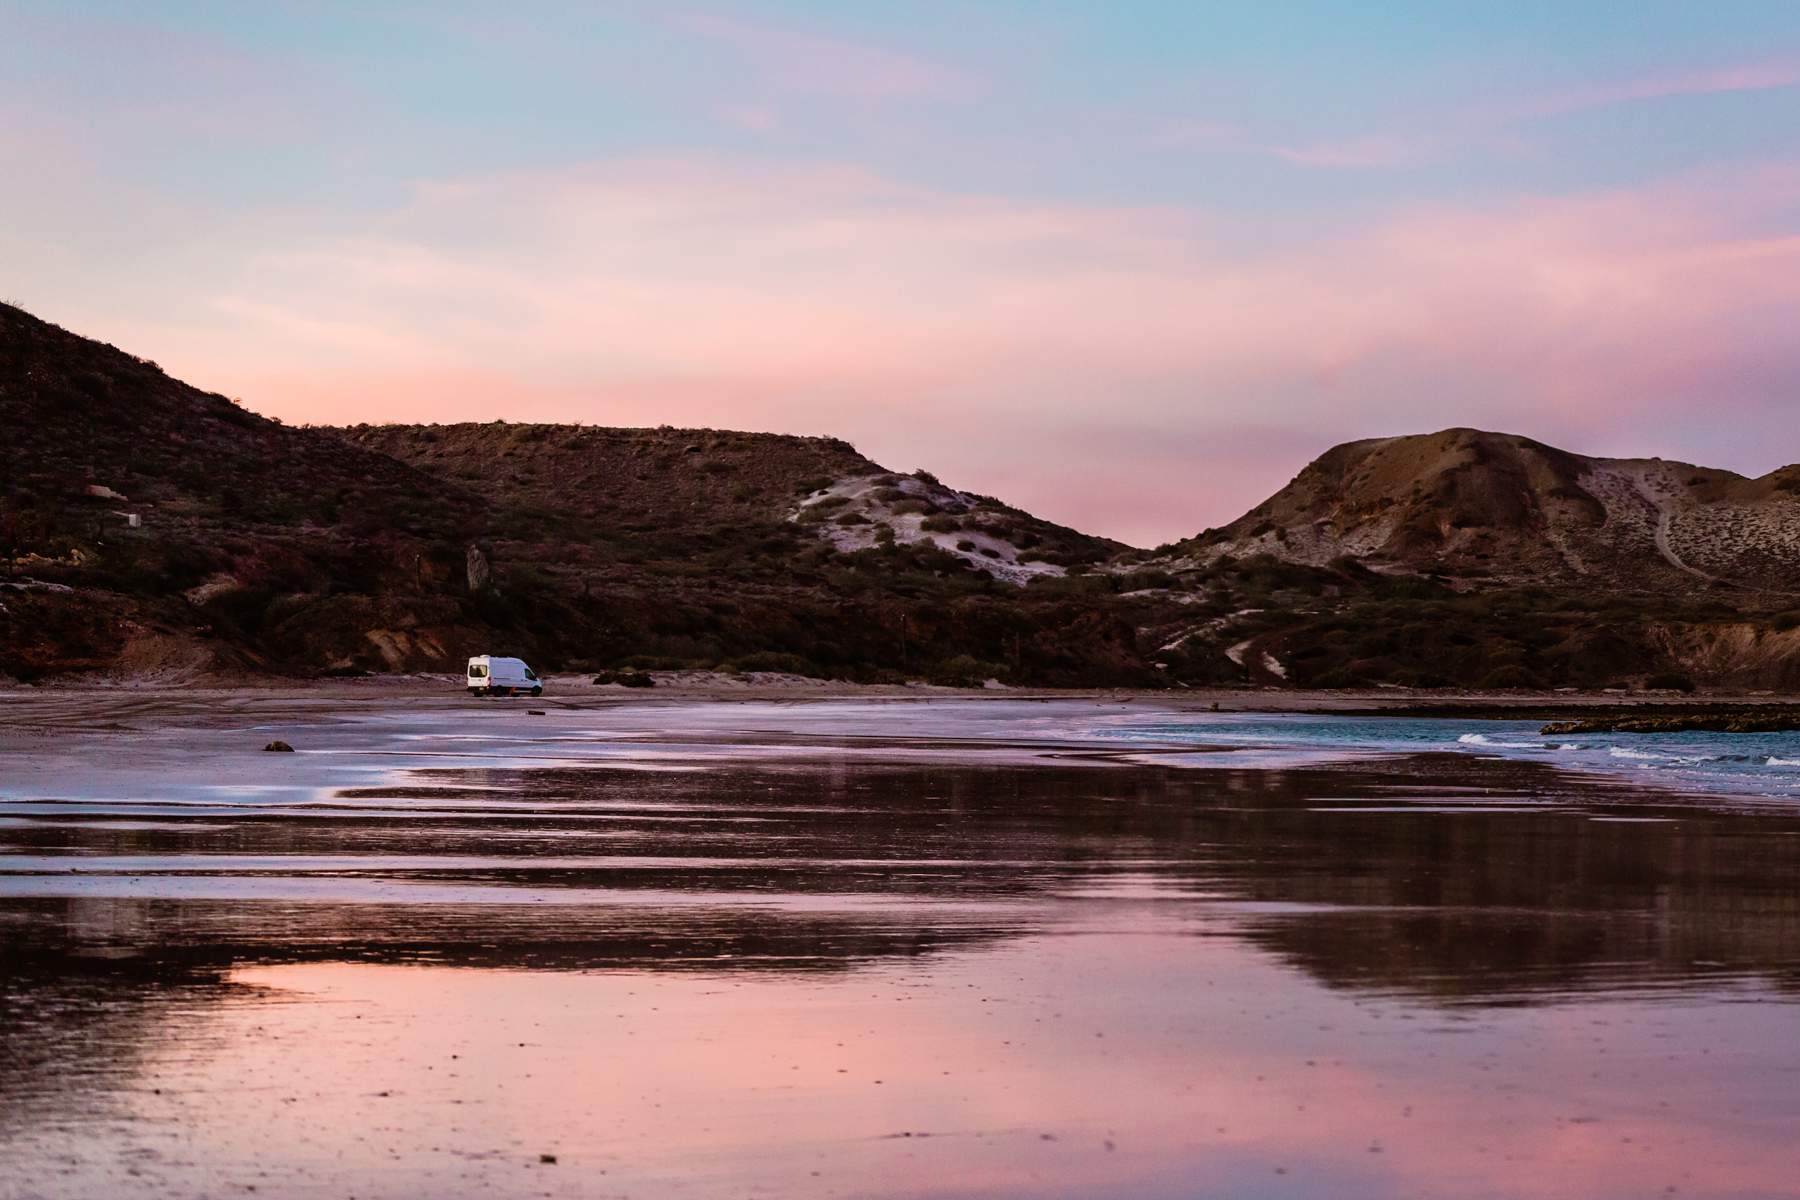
[491,676]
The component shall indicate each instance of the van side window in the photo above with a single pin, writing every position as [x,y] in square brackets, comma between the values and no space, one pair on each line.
[530,674]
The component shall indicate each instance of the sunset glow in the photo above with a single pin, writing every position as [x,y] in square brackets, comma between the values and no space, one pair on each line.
[1127,269]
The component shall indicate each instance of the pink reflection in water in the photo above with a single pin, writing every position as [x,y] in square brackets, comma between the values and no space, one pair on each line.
[1143,1056]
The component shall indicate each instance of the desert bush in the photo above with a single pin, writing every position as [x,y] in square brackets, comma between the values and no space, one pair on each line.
[1070,585]
[963,670]
[1510,676]
[775,660]
[630,679]
[941,523]
[1139,581]
[1669,681]
[1414,678]
[662,662]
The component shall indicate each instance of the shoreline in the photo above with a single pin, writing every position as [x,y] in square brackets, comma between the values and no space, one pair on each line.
[683,727]
[566,691]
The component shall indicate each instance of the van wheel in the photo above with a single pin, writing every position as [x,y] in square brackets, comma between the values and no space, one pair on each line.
[537,691]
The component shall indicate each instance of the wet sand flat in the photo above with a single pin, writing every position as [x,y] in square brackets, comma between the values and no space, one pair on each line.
[860,947]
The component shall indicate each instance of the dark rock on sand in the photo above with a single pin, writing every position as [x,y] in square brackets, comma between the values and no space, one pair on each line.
[279,746]
[630,679]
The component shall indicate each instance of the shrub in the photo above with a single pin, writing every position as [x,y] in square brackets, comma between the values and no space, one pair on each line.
[775,660]
[940,523]
[964,670]
[1070,585]
[1669,681]
[630,679]
[1509,676]
[1412,678]
[1139,581]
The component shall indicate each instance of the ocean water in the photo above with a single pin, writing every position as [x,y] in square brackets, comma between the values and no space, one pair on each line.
[1753,765]
[944,948]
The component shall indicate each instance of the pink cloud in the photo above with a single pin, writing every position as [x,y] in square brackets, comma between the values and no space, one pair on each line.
[1092,362]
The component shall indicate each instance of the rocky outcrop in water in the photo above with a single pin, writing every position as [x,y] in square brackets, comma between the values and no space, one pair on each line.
[1776,718]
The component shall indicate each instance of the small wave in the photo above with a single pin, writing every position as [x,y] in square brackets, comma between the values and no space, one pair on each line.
[1777,761]
[1680,760]
[1482,739]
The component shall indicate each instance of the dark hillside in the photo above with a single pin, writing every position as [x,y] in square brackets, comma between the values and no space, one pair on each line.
[700,548]
[250,538]
[147,527]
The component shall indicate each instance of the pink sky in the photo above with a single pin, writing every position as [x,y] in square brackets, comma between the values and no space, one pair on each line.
[1122,368]
[1137,315]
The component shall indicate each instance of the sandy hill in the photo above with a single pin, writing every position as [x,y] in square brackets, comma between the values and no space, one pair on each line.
[1477,505]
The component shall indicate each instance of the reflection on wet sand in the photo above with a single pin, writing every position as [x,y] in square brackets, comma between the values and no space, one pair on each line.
[849,976]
